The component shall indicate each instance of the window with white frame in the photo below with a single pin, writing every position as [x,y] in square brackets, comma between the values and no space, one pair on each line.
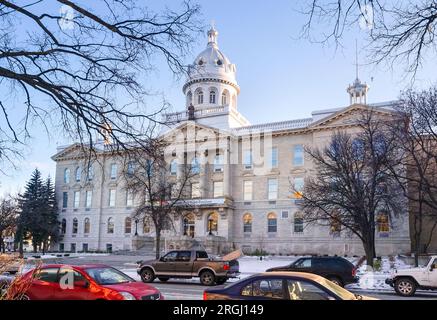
[274,158]
[76,199]
[299,184]
[247,160]
[247,190]
[112,197]
[195,166]
[247,223]
[64,199]
[90,173]
[130,168]
[75,226]
[272,222]
[86,226]
[173,167]
[113,171]
[298,155]
[195,190]
[110,226]
[272,187]
[225,98]
[298,222]
[218,189]
[218,163]
[88,198]
[78,174]
[212,97]
[129,199]
[284,214]
[67,175]
[200,97]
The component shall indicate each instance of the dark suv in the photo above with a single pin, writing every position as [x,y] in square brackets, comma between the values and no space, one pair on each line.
[336,269]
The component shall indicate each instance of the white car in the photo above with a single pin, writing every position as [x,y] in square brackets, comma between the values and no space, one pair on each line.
[407,281]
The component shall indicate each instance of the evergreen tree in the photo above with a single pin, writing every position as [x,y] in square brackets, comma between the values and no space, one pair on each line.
[49,215]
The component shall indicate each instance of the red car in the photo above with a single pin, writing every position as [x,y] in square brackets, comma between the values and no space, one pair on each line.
[86,282]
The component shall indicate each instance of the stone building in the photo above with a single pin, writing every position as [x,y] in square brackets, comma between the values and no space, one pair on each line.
[242,197]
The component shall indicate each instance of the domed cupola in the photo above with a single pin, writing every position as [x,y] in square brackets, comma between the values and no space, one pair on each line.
[211,78]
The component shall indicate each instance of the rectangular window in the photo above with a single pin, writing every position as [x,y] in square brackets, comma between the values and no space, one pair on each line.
[89,199]
[76,199]
[298,154]
[64,199]
[247,190]
[247,161]
[284,214]
[112,198]
[298,187]
[195,190]
[298,223]
[129,199]
[61,247]
[218,189]
[218,163]
[113,171]
[274,158]
[272,189]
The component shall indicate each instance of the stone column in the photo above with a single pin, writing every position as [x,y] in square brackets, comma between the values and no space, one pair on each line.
[227,169]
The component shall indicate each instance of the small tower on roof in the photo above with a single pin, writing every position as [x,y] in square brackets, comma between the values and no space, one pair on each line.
[357,90]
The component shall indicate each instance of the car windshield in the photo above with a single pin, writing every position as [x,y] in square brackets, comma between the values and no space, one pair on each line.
[339,291]
[107,276]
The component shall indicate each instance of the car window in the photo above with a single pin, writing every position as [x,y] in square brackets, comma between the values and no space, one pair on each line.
[68,275]
[267,288]
[47,275]
[303,263]
[201,255]
[171,256]
[184,256]
[108,276]
[303,290]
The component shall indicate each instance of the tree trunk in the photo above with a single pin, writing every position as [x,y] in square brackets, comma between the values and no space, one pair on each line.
[2,245]
[158,244]
[20,249]
[369,248]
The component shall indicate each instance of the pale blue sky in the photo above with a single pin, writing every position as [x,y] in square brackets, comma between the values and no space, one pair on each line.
[281,77]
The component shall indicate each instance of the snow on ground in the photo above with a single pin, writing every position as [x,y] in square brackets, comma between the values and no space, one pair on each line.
[62,255]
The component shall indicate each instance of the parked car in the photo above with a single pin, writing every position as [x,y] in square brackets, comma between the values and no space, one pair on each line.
[87,282]
[407,281]
[337,269]
[282,286]
[187,264]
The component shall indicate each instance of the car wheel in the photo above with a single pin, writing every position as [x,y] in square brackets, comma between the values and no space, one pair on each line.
[147,275]
[405,287]
[221,280]
[163,279]
[336,280]
[207,278]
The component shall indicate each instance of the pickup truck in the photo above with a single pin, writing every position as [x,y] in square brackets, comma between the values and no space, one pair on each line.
[407,281]
[186,264]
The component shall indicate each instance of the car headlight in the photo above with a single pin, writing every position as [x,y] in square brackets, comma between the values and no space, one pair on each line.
[127,296]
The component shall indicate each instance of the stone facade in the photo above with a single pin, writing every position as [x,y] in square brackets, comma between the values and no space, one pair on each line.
[246,171]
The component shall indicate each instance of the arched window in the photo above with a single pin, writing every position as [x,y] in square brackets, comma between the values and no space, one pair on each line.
[146,225]
[173,167]
[247,222]
[272,222]
[90,172]
[225,99]
[298,222]
[189,98]
[63,226]
[212,97]
[200,97]
[127,225]
[78,174]
[188,225]
[67,175]
[110,227]
[212,222]
[383,224]
[195,166]
[75,224]
[86,226]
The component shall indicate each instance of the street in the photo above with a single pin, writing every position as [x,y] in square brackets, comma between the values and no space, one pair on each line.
[191,289]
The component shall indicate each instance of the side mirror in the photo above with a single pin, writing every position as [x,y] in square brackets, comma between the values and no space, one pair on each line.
[82,284]
[162,259]
[432,267]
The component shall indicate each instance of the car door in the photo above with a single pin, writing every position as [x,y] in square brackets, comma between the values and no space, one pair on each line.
[73,286]
[44,284]
[268,288]
[303,265]
[183,264]
[432,274]
[299,289]
[166,265]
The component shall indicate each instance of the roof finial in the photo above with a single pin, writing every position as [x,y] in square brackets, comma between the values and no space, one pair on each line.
[356,57]
[212,35]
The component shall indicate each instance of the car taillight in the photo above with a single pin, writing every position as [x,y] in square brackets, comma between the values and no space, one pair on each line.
[205,295]
[226,266]
[354,272]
